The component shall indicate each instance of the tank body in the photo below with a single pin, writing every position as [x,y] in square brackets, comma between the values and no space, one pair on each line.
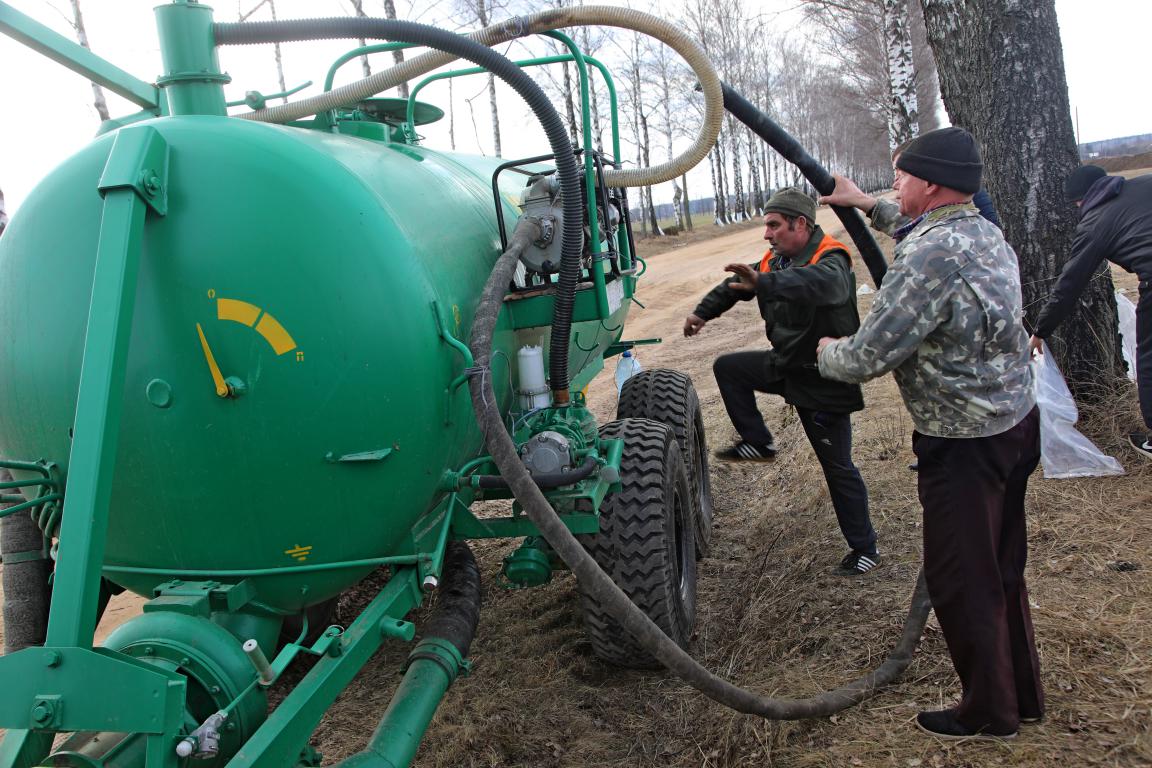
[312,266]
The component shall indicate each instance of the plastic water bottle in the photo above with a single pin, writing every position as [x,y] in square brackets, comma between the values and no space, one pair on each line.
[627,367]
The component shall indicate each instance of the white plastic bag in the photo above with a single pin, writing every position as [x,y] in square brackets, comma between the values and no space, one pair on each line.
[1064,451]
[1126,314]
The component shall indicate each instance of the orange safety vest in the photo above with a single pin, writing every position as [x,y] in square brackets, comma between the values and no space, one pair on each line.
[827,244]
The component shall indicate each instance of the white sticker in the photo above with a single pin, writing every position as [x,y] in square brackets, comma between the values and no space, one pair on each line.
[615,291]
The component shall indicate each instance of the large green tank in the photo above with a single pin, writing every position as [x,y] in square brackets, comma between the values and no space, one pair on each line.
[311,268]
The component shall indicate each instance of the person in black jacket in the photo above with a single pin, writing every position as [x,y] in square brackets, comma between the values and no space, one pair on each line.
[1115,224]
[805,289]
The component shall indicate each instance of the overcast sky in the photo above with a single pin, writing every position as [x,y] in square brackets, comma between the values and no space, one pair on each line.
[48,115]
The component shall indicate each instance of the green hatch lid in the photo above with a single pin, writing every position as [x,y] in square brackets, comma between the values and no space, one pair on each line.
[395,111]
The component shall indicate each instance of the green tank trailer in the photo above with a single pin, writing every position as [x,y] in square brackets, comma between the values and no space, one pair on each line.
[236,383]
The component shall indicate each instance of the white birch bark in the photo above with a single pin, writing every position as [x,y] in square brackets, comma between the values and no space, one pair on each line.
[903,113]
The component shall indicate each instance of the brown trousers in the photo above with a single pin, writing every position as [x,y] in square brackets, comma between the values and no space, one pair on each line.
[975,548]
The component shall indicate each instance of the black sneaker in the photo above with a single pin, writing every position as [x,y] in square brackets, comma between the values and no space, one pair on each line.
[1141,442]
[944,725]
[745,451]
[858,563]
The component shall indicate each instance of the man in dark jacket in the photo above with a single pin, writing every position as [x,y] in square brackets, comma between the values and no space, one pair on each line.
[1115,224]
[805,289]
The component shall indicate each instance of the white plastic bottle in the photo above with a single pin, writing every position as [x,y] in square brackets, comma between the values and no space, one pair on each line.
[626,367]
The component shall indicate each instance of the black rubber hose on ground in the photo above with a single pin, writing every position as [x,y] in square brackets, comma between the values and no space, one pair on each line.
[457,611]
[790,149]
[27,593]
[504,454]
[572,242]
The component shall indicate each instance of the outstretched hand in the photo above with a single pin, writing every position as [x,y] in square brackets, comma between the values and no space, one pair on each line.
[693,324]
[747,275]
[849,195]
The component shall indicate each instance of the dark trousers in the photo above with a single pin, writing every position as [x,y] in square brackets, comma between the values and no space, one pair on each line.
[1144,352]
[975,548]
[740,376]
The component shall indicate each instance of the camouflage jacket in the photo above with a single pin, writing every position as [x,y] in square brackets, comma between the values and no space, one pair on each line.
[947,323]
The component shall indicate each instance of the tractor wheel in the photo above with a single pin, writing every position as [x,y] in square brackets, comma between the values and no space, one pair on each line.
[646,543]
[668,396]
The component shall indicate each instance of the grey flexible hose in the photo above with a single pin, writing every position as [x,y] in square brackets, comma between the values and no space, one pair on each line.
[630,617]
[544,21]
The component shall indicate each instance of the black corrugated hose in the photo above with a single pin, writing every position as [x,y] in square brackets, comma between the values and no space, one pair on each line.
[572,242]
[790,149]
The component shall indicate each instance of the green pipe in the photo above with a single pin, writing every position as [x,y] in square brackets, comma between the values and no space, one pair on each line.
[433,666]
[25,483]
[192,80]
[362,50]
[28,504]
[245,573]
[24,29]
[26,466]
[597,267]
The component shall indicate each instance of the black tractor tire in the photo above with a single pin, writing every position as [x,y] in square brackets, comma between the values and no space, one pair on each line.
[27,594]
[646,543]
[667,396]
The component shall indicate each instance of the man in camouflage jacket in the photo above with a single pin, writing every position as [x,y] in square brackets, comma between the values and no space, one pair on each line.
[947,323]
[805,289]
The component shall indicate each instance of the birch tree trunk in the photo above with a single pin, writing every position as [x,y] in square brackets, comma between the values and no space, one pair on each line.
[358,9]
[687,202]
[1002,78]
[82,37]
[903,115]
[397,56]
[647,163]
[740,212]
[279,57]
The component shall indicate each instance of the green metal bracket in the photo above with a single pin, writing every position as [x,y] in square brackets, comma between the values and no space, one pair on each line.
[51,689]
[77,58]
[139,161]
[200,598]
[257,100]
[279,741]
[72,620]
[626,344]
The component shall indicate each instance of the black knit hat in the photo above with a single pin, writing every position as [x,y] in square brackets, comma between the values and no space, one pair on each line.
[791,201]
[947,156]
[1081,180]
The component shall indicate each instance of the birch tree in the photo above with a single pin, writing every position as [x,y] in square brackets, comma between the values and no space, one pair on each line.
[358,11]
[480,11]
[1002,78]
[903,115]
[76,21]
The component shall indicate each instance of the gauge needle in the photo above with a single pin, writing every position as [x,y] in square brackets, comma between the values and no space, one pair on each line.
[217,377]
